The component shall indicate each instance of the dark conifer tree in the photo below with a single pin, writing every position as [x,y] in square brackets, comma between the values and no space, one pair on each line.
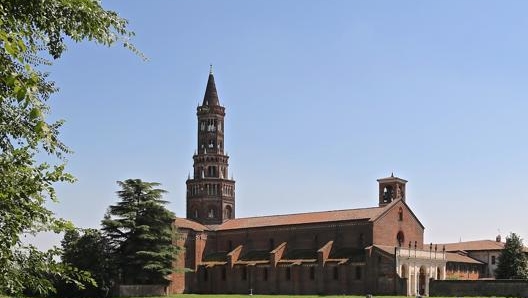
[513,263]
[140,234]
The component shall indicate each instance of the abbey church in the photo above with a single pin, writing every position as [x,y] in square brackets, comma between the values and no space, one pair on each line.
[375,250]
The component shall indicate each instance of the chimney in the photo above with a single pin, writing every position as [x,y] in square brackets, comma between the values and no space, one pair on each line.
[498,238]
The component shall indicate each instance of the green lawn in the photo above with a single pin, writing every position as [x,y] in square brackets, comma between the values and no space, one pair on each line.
[274,296]
[266,296]
[262,296]
[269,296]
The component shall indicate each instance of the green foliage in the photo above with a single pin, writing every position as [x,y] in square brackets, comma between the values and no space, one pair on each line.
[32,33]
[139,229]
[87,252]
[513,263]
[34,272]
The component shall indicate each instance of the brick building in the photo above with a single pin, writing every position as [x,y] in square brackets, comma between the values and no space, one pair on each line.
[485,256]
[376,250]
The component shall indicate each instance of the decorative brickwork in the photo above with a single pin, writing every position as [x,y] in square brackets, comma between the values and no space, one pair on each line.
[210,194]
[377,250]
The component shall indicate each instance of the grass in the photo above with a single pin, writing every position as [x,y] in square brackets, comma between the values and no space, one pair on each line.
[274,296]
[265,296]
[262,296]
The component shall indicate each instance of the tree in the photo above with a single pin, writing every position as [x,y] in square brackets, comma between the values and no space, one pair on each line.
[32,32]
[87,252]
[513,263]
[139,229]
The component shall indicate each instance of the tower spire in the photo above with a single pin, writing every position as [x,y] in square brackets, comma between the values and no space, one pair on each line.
[211,96]
[210,193]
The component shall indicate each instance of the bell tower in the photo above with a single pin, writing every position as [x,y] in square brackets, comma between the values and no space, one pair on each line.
[390,189]
[210,194]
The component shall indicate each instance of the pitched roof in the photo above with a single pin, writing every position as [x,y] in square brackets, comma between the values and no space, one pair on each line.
[301,218]
[474,245]
[211,96]
[360,214]
[387,208]
[385,248]
[183,223]
[392,178]
[458,258]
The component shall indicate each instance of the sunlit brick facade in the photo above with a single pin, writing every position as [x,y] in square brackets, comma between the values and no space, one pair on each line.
[377,250]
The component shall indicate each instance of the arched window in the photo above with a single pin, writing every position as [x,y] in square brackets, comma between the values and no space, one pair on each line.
[211,171]
[228,212]
[387,194]
[265,274]
[403,271]
[211,213]
[400,214]
[244,273]
[400,238]
[361,240]
[358,273]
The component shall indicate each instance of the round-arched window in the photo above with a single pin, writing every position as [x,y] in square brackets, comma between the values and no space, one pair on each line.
[228,212]
[400,238]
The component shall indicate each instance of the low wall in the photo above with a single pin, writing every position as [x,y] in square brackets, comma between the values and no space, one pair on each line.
[501,287]
[142,290]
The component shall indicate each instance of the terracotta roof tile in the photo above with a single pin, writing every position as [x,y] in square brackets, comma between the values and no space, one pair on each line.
[255,255]
[458,258]
[183,223]
[386,248]
[474,245]
[301,218]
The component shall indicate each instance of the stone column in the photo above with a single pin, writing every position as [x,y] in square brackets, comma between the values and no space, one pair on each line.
[427,278]
[416,280]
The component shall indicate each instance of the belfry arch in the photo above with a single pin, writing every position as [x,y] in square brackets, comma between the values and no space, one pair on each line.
[209,189]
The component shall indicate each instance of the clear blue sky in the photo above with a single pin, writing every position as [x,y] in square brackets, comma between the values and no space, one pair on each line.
[322,98]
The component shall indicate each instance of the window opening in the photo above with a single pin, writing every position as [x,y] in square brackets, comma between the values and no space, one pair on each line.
[400,238]
[244,273]
[336,273]
[387,194]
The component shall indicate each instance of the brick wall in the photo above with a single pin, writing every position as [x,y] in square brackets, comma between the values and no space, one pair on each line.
[504,288]
[328,276]
[351,234]
[462,271]
[265,279]
[387,227]
[186,263]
